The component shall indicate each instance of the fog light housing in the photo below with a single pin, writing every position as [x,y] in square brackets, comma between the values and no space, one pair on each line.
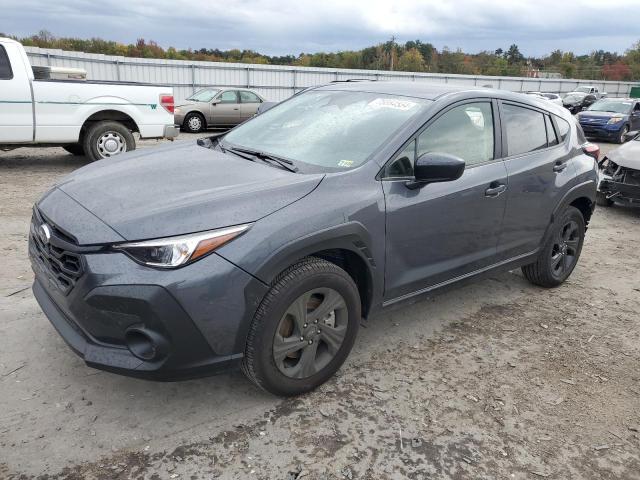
[145,344]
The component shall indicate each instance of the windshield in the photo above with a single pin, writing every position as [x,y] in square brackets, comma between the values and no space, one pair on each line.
[584,89]
[203,95]
[334,130]
[615,106]
[573,97]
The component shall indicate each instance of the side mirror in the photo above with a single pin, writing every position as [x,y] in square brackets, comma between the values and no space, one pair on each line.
[436,167]
[215,101]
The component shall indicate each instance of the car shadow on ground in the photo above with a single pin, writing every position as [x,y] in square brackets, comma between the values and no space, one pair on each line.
[32,158]
[124,410]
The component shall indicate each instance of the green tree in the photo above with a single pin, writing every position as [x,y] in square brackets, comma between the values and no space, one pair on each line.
[411,61]
[513,55]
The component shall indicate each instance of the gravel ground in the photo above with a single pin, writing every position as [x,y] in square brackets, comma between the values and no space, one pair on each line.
[498,379]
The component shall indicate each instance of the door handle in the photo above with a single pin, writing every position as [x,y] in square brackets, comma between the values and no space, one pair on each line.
[236,109]
[559,166]
[495,189]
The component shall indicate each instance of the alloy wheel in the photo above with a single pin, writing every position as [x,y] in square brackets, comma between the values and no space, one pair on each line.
[565,249]
[310,333]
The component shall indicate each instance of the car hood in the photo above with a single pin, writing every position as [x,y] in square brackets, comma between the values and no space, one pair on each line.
[182,188]
[595,114]
[627,155]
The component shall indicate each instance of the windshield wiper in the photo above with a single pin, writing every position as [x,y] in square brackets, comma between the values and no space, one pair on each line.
[266,157]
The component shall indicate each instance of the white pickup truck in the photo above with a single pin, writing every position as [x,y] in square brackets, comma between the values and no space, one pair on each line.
[95,119]
[590,90]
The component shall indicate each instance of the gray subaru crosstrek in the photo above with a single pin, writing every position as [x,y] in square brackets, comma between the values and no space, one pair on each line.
[264,248]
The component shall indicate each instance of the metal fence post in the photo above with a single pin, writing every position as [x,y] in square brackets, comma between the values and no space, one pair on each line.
[193,78]
[248,77]
[293,80]
[117,69]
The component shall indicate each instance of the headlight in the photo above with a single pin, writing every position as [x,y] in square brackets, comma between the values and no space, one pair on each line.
[174,252]
[613,120]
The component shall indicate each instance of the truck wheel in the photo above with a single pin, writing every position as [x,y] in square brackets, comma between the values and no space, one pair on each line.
[304,328]
[106,139]
[74,149]
[561,251]
[623,134]
[193,123]
[602,200]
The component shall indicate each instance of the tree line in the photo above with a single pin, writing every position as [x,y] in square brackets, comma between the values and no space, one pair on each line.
[411,56]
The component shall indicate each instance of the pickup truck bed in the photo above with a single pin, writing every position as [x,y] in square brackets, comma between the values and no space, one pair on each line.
[96,118]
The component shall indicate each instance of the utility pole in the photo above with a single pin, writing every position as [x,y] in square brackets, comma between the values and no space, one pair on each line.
[393,47]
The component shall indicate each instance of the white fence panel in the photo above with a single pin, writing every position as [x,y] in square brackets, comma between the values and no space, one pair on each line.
[277,82]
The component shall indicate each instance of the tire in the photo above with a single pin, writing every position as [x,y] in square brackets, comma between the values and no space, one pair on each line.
[193,123]
[560,250]
[74,149]
[622,137]
[107,139]
[288,354]
[602,200]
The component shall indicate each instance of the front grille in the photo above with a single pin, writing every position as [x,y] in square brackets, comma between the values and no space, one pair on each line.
[62,266]
[593,121]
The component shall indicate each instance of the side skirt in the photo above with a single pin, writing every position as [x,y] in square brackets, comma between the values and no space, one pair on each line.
[503,266]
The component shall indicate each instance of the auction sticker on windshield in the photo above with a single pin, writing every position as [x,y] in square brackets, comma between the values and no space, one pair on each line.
[395,103]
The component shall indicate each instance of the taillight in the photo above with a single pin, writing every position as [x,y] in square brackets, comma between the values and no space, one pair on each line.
[591,149]
[167,103]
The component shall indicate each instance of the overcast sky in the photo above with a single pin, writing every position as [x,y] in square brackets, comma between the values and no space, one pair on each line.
[291,27]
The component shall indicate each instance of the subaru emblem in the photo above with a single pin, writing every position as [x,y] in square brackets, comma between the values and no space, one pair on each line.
[44,233]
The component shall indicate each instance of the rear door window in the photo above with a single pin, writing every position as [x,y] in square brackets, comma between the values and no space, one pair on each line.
[525,129]
[249,97]
[5,66]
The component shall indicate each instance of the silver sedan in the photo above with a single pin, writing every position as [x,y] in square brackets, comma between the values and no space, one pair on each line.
[217,107]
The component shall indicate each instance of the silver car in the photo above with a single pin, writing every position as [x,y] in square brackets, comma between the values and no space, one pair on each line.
[217,107]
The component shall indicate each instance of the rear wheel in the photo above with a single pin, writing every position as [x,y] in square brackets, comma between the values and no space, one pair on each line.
[304,328]
[107,139]
[560,252]
[74,149]
[194,123]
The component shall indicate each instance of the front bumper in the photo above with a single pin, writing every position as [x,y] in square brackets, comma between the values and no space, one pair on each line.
[605,131]
[118,359]
[196,318]
[619,191]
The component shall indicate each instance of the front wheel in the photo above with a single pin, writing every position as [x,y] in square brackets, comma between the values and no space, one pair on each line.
[304,328]
[623,134]
[561,251]
[193,123]
[107,139]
